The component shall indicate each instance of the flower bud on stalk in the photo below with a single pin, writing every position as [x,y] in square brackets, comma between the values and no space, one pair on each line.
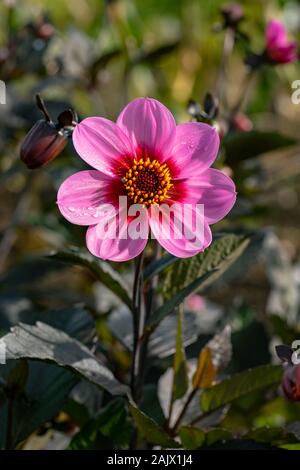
[232,14]
[46,139]
[208,112]
[291,382]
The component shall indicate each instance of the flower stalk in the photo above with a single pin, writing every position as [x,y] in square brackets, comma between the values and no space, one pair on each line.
[139,319]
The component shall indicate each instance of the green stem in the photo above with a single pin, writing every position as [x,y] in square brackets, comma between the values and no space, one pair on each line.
[200,417]
[138,327]
[229,40]
[244,96]
[9,425]
[168,424]
[184,409]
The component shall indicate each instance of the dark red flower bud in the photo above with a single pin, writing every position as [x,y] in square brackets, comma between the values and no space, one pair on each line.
[46,140]
[233,14]
[291,382]
[42,144]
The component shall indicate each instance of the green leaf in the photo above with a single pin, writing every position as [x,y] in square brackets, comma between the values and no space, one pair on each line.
[102,62]
[162,342]
[28,271]
[47,386]
[102,271]
[47,389]
[151,405]
[206,372]
[180,381]
[240,444]
[191,438]
[111,429]
[211,263]
[151,57]
[278,409]
[282,329]
[239,385]
[243,145]
[45,343]
[78,412]
[169,306]
[76,321]
[290,446]
[149,429]
[189,275]
[17,378]
[217,435]
[157,266]
[194,438]
[275,436]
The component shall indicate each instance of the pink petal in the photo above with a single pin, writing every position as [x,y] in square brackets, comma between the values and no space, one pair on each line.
[195,149]
[104,241]
[276,34]
[284,54]
[101,143]
[149,126]
[179,235]
[279,48]
[216,191]
[81,195]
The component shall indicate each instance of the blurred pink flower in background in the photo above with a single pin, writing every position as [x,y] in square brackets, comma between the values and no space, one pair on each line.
[233,14]
[279,49]
[145,157]
[195,303]
[241,123]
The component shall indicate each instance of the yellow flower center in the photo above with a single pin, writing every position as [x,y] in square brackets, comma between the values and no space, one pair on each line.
[147,182]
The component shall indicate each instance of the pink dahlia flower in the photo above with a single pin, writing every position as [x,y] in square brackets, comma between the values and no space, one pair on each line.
[279,49]
[148,160]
